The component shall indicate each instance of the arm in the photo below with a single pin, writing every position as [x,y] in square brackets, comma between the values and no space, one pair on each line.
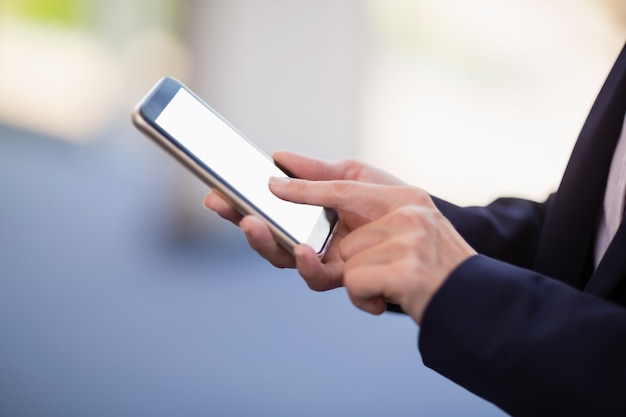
[531,344]
[507,229]
[528,343]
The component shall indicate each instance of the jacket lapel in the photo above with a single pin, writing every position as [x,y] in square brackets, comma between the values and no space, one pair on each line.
[565,248]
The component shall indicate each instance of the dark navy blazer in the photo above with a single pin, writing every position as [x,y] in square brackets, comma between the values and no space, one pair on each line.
[528,324]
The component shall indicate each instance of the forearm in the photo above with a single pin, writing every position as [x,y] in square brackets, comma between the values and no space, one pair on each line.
[529,344]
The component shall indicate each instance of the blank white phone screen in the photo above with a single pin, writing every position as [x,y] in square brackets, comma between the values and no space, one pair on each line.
[236,160]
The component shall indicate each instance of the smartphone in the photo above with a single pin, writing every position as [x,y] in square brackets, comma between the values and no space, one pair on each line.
[203,141]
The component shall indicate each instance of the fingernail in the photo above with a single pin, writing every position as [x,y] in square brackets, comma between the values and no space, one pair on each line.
[279,181]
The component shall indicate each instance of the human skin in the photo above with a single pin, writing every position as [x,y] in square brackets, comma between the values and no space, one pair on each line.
[392,245]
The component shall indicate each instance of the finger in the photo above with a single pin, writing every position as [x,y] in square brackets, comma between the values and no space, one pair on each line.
[306,167]
[215,202]
[376,305]
[407,221]
[260,239]
[363,238]
[309,168]
[366,288]
[362,199]
[318,276]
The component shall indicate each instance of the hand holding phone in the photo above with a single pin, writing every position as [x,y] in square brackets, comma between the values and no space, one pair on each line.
[192,132]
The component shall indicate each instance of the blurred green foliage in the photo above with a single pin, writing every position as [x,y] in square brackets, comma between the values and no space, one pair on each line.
[65,12]
[87,14]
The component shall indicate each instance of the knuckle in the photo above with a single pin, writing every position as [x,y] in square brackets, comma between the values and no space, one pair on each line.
[342,187]
[408,212]
[412,215]
[352,168]
[339,190]
[404,245]
[300,186]
[418,195]
[408,215]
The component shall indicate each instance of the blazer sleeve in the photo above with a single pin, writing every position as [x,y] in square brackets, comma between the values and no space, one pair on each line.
[530,344]
[508,229]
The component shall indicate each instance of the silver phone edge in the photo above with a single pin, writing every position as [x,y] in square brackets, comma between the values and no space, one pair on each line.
[240,205]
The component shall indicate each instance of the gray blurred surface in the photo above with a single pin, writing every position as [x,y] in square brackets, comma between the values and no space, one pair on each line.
[108,308]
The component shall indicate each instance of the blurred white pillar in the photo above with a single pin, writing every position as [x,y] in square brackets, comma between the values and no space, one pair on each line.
[287,73]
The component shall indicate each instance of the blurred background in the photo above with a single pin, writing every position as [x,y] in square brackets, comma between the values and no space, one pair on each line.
[120,295]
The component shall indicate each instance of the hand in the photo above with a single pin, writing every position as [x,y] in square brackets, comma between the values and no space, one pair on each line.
[400,250]
[317,274]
